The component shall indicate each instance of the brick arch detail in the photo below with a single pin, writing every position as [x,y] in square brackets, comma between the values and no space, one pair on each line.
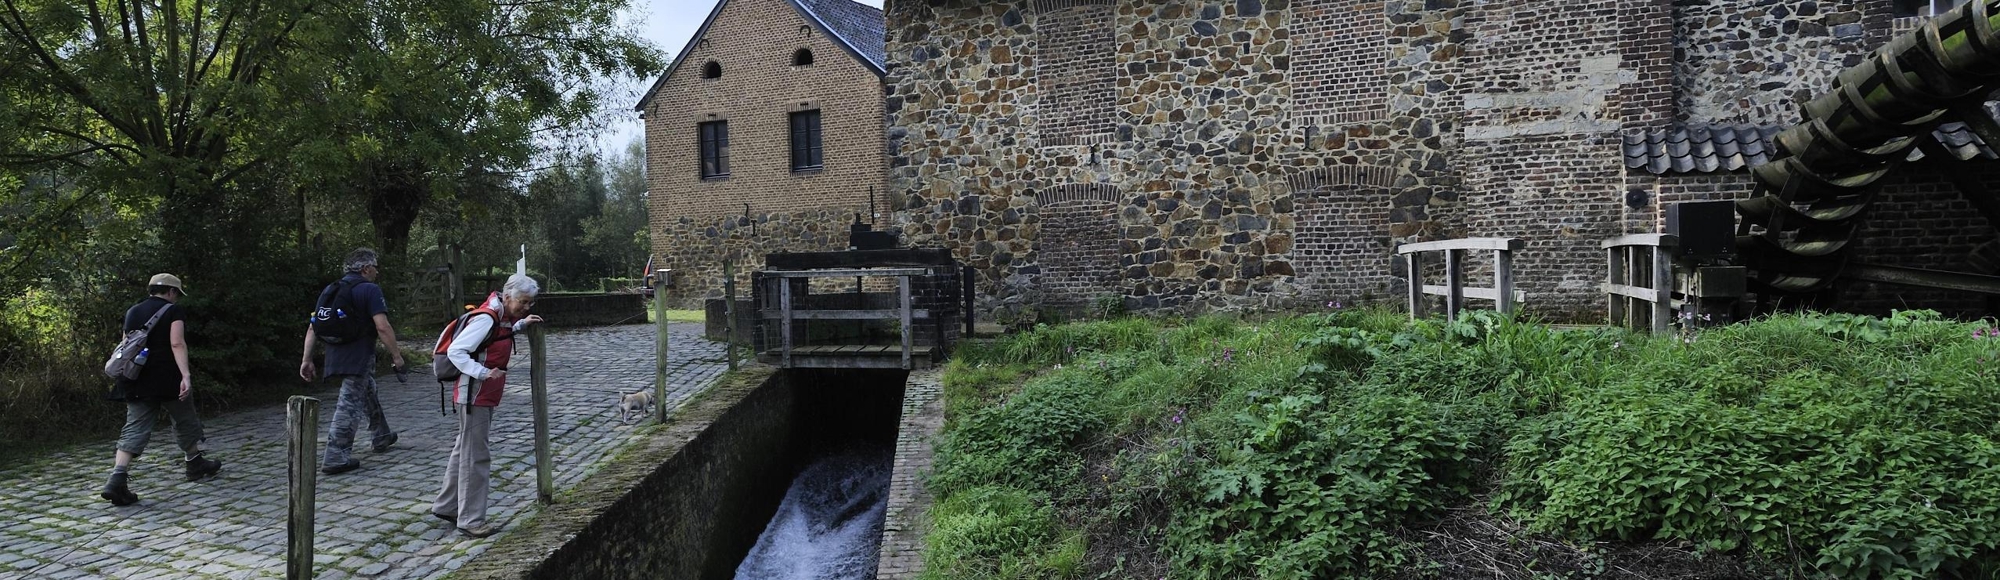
[1079,246]
[1341,246]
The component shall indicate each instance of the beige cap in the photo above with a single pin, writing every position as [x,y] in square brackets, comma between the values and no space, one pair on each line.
[168,280]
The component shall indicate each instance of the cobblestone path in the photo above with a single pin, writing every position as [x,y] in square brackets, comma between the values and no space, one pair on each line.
[371,522]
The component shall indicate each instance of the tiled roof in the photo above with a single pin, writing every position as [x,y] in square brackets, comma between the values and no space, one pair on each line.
[858,25]
[1724,148]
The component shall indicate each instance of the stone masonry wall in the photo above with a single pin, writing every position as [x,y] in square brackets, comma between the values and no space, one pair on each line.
[695,220]
[1269,153]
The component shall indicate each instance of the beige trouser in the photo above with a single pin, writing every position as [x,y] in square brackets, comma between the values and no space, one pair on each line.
[469,472]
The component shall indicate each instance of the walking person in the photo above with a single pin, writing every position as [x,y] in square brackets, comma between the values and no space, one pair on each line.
[350,315]
[164,386]
[480,350]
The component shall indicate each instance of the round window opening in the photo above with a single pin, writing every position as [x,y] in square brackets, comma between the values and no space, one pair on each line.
[802,58]
[712,70]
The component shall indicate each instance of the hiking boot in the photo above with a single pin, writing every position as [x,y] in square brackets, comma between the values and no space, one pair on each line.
[351,465]
[115,491]
[446,517]
[383,445]
[481,531]
[200,468]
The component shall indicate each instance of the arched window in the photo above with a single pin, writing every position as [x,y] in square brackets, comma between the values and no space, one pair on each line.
[803,57]
[712,70]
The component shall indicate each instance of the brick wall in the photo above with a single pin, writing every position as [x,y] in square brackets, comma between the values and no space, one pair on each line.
[1493,118]
[1339,75]
[695,220]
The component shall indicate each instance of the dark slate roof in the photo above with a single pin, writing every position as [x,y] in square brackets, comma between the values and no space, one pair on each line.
[1722,148]
[857,27]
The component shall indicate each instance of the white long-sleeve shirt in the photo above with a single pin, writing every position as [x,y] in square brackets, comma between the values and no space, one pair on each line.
[460,352]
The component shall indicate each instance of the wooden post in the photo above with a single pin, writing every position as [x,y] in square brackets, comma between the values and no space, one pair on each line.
[538,376]
[1503,280]
[1415,262]
[1614,275]
[1454,284]
[903,287]
[660,350]
[785,319]
[1663,289]
[729,329]
[965,275]
[302,467]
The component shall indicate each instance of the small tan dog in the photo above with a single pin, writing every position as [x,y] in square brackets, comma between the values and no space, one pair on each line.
[635,406]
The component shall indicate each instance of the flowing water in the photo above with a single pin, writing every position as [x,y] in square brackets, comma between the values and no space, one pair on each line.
[829,526]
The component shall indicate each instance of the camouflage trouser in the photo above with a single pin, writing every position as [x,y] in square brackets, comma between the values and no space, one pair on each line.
[357,398]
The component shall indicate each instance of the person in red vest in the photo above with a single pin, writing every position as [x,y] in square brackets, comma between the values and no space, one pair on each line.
[467,475]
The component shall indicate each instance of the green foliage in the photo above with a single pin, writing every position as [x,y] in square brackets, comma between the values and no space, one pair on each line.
[1305,491]
[999,532]
[1836,445]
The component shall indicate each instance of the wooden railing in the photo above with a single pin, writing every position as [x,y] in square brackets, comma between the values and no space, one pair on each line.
[1503,294]
[904,312]
[1634,284]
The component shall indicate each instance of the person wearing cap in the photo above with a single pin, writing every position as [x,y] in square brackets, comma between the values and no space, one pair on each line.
[354,363]
[164,387]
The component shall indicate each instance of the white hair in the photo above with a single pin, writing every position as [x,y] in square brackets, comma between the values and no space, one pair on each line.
[358,259]
[519,286]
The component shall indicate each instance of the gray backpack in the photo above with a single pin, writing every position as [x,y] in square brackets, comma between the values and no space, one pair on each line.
[125,362]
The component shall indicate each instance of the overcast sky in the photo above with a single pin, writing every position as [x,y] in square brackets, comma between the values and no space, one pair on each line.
[668,24]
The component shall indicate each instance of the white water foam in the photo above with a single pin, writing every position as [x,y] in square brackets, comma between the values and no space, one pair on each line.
[829,526]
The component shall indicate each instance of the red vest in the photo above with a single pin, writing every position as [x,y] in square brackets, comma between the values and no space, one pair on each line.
[495,357]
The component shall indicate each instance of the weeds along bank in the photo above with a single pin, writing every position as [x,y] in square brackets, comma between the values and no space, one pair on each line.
[1358,444]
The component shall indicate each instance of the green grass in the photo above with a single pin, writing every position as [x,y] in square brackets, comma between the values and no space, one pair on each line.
[678,316]
[1832,445]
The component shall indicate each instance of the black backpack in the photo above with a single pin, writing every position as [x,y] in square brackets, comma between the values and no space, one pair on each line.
[335,320]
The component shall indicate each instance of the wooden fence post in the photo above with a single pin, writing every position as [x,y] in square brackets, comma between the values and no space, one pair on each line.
[1663,289]
[965,277]
[1415,274]
[1454,284]
[302,467]
[660,350]
[538,376]
[729,329]
[1503,280]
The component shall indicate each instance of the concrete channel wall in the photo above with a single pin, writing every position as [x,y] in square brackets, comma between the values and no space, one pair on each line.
[689,500]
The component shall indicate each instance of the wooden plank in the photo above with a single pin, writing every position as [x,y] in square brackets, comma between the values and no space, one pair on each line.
[1503,281]
[1663,288]
[1614,262]
[1462,244]
[890,314]
[1454,284]
[785,321]
[846,272]
[909,329]
[1648,240]
[660,347]
[1414,274]
[1476,293]
[1625,291]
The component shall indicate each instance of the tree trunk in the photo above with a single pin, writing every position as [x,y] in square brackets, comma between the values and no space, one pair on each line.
[396,196]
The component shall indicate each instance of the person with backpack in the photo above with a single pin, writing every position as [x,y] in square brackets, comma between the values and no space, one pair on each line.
[348,317]
[153,381]
[477,347]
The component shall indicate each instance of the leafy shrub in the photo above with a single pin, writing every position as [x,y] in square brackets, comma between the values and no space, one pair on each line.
[1305,491]
[1024,442]
[998,532]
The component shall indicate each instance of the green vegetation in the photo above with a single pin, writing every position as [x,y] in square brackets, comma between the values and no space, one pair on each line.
[1339,444]
[247,145]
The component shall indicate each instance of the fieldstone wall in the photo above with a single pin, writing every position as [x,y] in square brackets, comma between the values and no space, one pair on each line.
[698,246]
[1268,153]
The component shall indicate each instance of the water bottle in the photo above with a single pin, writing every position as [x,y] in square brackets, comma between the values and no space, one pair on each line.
[141,359]
[339,313]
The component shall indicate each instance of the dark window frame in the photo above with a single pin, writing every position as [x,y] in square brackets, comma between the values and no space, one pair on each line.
[711,70]
[807,146]
[802,57]
[713,143]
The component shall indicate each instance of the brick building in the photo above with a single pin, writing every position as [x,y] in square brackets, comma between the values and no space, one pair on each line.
[764,135]
[1269,153]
